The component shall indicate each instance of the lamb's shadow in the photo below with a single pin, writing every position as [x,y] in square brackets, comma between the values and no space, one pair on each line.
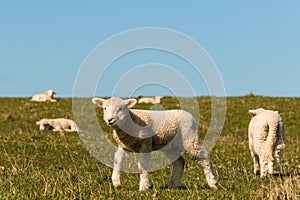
[177,188]
[282,175]
[288,174]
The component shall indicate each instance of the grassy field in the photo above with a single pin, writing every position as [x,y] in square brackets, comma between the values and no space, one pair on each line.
[46,165]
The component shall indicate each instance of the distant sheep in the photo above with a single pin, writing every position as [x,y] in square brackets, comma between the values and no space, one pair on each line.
[47,96]
[266,141]
[60,124]
[143,131]
[152,100]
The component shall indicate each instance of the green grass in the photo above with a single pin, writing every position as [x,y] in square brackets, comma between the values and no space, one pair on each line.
[46,165]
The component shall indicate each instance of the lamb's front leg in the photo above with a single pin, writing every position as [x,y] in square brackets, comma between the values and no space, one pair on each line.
[119,155]
[60,130]
[143,164]
[177,168]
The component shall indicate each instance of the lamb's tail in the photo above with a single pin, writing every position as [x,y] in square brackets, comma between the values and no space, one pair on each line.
[273,128]
[274,135]
[280,147]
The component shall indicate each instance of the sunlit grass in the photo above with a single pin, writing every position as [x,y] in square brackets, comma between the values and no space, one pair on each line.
[46,165]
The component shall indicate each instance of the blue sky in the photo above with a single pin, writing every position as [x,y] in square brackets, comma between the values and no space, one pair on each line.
[254,44]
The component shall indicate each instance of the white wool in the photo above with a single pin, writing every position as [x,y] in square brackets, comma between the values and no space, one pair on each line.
[266,140]
[47,96]
[59,124]
[173,132]
[152,100]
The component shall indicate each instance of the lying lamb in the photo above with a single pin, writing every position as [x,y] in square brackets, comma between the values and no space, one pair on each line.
[60,124]
[153,100]
[173,132]
[266,141]
[47,96]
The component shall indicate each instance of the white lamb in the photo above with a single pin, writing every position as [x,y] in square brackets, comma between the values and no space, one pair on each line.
[47,96]
[173,132]
[152,100]
[266,141]
[59,124]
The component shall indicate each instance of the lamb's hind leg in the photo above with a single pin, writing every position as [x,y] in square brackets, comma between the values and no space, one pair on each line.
[255,162]
[263,162]
[254,156]
[277,158]
[267,161]
[177,169]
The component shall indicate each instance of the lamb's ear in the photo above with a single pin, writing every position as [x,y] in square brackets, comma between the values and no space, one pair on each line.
[130,102]
[276,111]
[252,112]
[98,101]
[38,123]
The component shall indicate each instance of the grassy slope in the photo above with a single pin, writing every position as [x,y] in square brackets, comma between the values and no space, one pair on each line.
[36,164]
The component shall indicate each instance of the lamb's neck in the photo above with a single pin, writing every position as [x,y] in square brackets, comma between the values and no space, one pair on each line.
[126,123]
[131,124]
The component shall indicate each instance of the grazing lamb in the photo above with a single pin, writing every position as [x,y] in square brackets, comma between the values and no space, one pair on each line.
[173,132]
[47,96]
[266,141]
[60,124]
[153,100]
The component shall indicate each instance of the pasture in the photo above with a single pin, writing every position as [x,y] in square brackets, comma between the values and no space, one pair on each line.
[45,165]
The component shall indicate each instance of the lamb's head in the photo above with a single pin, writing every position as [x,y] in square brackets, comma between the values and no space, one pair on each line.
[253,113]
[50,93]
[115,109]
[44,124]
[157,98]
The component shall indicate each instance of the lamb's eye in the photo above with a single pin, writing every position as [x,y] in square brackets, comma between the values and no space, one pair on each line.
[104,108]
